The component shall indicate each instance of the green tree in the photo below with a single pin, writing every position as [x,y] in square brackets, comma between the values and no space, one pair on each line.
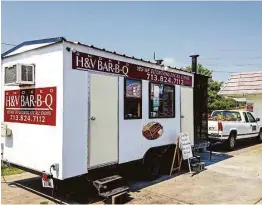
[215,101]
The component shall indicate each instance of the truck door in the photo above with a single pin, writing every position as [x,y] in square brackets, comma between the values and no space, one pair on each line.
[246,127]
[103,135]
[253,126]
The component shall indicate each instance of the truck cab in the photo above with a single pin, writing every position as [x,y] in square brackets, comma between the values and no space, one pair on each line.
[230,125]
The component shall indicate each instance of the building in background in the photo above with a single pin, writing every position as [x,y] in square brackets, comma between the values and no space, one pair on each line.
[246,85]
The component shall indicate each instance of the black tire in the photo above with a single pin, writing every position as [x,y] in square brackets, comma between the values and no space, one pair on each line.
[231,143]
[152,167]
[259,137]
[166,160]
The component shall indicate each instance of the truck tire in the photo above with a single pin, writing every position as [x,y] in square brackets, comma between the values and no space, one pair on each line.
[259,137]
[231,143]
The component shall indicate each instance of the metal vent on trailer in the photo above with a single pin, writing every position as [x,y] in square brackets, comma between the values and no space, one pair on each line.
[10,74]
[20,74]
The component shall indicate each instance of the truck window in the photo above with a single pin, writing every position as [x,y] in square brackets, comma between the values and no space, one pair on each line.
[226,115]
[250,117]
[161,101]
[245,116]
[132,99]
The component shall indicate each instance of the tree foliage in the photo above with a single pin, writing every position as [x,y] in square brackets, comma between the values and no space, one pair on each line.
[215,101]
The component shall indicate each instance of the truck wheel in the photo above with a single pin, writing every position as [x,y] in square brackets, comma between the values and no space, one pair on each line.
[232,141]
[152,167]
[259,137]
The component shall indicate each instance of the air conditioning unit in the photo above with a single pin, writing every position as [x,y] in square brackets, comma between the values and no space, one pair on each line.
[20,74]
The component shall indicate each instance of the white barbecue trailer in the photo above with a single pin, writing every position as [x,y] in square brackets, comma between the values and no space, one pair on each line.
[78,107]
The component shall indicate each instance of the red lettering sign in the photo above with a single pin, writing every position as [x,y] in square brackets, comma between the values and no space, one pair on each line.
[250,107]
[96,63]
[31,106]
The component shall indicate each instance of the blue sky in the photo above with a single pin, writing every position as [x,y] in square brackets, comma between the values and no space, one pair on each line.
[227,35]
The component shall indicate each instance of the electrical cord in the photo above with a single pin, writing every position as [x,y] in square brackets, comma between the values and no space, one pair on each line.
[4,177]
[10,183]
[51,167]
[2,173]
[53,189]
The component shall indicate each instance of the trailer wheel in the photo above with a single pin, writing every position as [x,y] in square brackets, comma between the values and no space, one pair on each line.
[231,143]
[152,167]
[259,137]
[166,160]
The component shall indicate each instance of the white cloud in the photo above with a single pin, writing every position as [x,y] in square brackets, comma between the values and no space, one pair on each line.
[169,62]
[173,63]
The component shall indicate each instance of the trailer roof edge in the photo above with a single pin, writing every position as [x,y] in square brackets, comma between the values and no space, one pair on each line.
[126,56]
[61,39]
[27,43]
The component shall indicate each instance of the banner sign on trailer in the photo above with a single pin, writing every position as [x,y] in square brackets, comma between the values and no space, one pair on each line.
[102,64]
[31,106]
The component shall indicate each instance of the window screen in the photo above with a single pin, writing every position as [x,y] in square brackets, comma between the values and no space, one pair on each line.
[132,99]
[161,101]
[27,73]
[226,115]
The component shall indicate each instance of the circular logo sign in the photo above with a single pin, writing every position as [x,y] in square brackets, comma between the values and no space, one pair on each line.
[152,130]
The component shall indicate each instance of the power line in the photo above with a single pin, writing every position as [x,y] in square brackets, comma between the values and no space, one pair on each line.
[242,50]
[8,44]
[207,64]
[232,65]
[219,64]
[242,58]
[221,71]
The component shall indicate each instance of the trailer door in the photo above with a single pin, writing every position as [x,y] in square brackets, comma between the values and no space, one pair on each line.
[103,135]
[187,112]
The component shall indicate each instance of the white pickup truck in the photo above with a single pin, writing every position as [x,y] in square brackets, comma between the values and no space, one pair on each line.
[230,125]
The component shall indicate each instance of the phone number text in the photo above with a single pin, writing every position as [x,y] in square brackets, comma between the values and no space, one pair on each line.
[164,79]
[27,118]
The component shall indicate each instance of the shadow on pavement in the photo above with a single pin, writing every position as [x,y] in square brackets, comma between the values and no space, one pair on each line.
[240,144]
[82,192]
[220,153]
[79,191]
[215,157]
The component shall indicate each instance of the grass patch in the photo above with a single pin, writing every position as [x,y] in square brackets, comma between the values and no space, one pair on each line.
[44,202]
[10,170]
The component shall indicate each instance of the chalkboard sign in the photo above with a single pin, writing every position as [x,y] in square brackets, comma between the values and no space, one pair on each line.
[185,146]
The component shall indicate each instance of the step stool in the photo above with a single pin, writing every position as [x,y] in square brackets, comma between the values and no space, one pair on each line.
[111,188]
[195,159]
[198,166]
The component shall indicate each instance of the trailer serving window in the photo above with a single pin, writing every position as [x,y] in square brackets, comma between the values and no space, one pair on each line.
[132,99]
[161,101]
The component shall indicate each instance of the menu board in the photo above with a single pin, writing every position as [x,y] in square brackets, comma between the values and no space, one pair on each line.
[185,146]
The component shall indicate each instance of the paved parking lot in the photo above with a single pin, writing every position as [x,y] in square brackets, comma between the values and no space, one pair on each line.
[231,177]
